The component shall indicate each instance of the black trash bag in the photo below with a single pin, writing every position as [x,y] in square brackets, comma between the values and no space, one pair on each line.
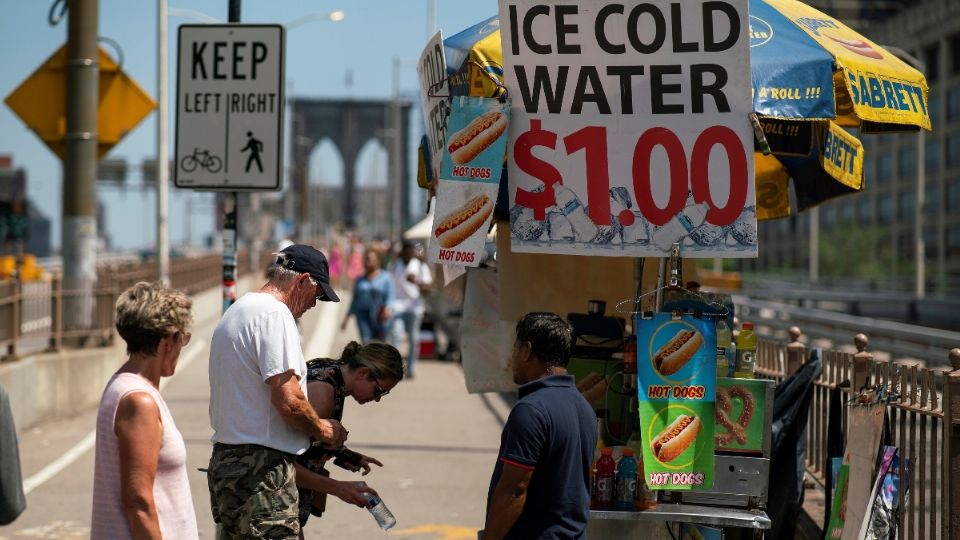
[791,406]
[12,500]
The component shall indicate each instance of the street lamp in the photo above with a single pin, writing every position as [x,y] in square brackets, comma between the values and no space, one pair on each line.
[332,16]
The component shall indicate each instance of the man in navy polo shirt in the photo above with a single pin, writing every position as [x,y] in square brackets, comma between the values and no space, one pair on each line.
[540,488]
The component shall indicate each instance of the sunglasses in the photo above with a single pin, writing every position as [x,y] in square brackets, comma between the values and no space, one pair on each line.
[379,391]
[320,294]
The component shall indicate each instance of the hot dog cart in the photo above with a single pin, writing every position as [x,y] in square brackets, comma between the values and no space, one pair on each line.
[559,247]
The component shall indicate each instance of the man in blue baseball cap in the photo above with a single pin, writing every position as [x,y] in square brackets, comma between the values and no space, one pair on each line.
[258,399]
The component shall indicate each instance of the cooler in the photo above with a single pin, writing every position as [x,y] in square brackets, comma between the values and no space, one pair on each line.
[428,344]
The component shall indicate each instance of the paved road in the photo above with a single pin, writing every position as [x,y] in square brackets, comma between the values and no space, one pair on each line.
[437,442]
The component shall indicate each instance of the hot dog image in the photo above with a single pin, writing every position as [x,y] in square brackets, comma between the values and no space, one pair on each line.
[479,134]
[676,352]
[593,387]
[675,438]
[460,224]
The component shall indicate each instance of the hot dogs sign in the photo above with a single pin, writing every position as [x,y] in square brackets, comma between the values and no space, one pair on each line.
[629,130]
[676,372]
[469,180]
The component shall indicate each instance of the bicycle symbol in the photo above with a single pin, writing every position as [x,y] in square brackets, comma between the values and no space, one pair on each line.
[205,160]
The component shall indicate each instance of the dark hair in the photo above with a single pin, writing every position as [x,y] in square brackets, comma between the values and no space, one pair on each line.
[549,335]
[383,361]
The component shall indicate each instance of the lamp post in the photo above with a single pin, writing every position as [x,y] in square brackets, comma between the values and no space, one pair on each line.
[163,150]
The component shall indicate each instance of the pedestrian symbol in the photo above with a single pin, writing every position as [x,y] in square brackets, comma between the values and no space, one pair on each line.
[254,146]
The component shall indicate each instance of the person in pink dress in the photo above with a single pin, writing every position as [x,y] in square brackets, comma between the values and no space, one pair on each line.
[355,265]
[336,262]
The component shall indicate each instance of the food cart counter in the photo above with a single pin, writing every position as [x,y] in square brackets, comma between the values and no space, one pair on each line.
[690,513]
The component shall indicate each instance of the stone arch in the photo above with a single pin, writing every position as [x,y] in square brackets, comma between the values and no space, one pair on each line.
[349,124]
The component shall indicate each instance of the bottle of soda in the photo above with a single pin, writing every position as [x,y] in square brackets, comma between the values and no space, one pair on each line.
[626,480]
[644,498]
[746,350]
[601,428]
[380,512]
[604,479]
[723,343]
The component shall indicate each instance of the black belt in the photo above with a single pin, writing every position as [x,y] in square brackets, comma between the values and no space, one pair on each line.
[249,446]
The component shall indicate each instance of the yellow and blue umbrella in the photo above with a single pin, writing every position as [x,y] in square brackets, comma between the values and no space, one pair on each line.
[812,77]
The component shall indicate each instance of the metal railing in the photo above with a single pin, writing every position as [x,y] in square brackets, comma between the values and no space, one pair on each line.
[899,340]
[923,415]
[31,313]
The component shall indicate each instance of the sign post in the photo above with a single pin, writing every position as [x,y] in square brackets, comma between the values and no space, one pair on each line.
[230,98]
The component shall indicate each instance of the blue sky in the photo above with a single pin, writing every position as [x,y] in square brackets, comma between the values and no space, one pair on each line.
[319,57]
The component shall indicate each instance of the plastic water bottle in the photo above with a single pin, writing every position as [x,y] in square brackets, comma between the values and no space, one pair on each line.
[380,512]
[746,350]
[603,480]
[626,480]
[724,338]
[679,226]
[570,205]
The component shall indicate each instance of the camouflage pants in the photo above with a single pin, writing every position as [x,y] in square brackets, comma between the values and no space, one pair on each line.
[253,492]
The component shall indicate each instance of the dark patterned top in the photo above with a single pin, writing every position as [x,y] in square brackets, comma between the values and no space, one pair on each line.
[328,371]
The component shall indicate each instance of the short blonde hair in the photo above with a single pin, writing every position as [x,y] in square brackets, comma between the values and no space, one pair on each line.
[146,312]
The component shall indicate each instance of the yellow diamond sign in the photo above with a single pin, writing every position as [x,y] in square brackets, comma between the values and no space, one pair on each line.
[41,102]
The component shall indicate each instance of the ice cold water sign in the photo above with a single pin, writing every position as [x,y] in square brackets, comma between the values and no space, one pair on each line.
[629,127]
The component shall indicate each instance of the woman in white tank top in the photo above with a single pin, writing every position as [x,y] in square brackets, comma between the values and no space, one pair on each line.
[140,478]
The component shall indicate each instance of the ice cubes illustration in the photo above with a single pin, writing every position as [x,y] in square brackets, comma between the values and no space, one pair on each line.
[613,233]
[707,234]
[638,231]
[744,230]
[523,225]
[607,233]
[619,199]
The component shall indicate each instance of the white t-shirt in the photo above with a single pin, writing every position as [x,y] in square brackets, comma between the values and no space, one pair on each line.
[407,296]
[256,339]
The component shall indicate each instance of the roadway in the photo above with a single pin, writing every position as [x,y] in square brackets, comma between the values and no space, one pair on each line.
[437,442]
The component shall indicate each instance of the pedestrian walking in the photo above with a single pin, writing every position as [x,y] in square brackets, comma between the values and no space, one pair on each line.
[258,406]
[372,296]
[411,280]
[540,487]
[140,486]
[366,373]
